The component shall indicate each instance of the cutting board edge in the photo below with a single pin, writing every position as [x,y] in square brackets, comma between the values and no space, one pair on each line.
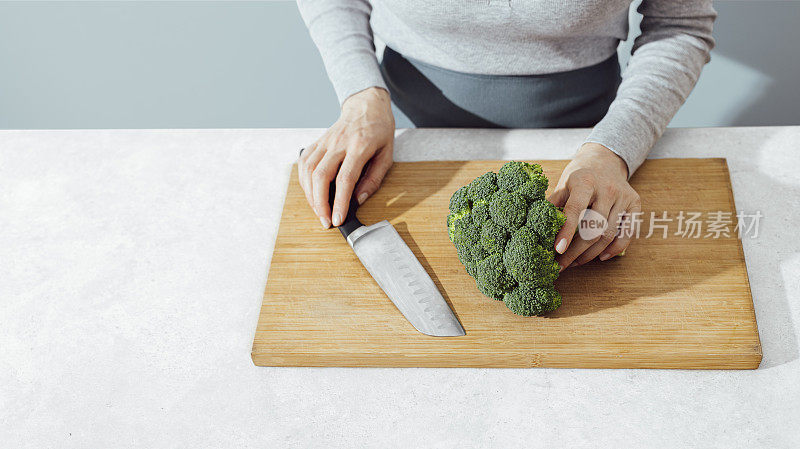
[678,360]
[732,200]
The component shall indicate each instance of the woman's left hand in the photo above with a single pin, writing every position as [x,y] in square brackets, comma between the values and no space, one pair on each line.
[596,178]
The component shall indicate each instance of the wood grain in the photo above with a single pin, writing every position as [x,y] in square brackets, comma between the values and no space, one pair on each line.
[669,303]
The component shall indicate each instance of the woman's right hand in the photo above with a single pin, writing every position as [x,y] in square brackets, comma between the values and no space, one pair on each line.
[363,133]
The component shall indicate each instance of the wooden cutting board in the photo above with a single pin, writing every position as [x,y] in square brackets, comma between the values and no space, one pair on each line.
[668,303]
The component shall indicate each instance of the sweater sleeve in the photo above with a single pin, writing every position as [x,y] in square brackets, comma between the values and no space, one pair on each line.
[664,66]
[341,31]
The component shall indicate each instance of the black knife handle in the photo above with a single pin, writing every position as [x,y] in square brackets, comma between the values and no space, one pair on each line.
[350,222]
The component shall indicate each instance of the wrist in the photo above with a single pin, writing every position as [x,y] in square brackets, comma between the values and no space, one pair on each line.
[371,97]
[612,162]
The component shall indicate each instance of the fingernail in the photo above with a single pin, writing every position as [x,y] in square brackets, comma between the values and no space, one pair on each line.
[324,221]
[337,219]
[605,256]
[562,246]
[560,268]
[362,198]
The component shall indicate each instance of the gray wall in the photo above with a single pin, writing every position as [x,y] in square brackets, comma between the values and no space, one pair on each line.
[251,64]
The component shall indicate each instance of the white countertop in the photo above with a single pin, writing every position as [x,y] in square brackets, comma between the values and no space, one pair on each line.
[132,266]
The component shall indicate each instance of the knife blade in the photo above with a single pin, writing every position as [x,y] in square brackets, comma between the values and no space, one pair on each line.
[399,274]
[404,280]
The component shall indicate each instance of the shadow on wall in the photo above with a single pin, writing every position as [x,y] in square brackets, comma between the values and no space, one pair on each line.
[763,35]
[752,76]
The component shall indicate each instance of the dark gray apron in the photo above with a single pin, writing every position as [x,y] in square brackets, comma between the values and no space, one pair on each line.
[433,97]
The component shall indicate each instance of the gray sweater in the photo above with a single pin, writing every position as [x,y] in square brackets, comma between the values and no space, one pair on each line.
[525,37]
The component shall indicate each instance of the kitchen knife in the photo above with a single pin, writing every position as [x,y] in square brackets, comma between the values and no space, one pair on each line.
[393,266]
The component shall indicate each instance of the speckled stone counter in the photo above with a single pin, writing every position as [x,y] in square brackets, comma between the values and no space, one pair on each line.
[132,265]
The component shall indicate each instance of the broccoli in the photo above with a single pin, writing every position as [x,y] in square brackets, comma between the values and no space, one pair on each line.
[482,187]
[492,278]
[466,259]
[527,300]
[459,202]
[508,209]
[480,211]
[503,231]
[457,224]
[526,179]
[528,261]
[545,220]
[493,237]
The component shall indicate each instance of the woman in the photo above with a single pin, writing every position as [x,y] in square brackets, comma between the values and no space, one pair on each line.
[515,63]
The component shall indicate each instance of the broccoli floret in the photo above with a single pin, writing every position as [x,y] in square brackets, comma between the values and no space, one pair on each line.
[521,177]
[482,187]
[455,220]
[492,278]
[460,200]
[480,212]
[545,220]
[528,261]
[465,235]
[551,297]
[527,300]
[493,237]
[508,209]
[479,253]
[466,259]
[503,231]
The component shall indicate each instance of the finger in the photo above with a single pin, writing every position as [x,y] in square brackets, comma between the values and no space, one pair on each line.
[576,248]
[346,182]
[622,241]
[307,151]
[578,201]
[609,234]
[559,196]
[375,172]
[309,161]
[601,204]
[301,169]
[321,177]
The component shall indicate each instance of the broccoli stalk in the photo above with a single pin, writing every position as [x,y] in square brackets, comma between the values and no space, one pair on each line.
[503,230]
